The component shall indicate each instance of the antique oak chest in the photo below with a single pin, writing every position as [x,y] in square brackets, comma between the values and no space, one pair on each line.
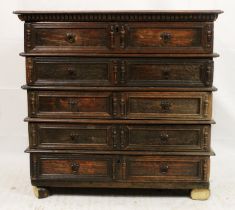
[119,99]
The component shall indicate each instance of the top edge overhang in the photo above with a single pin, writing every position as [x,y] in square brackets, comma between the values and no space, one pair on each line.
[120,15]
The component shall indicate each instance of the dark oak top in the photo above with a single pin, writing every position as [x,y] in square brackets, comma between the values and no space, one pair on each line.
[119,15]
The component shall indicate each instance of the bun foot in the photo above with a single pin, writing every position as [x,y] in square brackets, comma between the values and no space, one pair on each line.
[200,194]
[40,192]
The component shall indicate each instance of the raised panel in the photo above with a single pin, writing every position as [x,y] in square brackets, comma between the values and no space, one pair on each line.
[166,168]
[76,167]
[169,72]
[70,104]
[71,71]
[70,136]
[193,105]
[168,137]
[69,37]
[169,37]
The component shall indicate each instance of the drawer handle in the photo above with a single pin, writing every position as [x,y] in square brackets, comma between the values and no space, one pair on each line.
[165,106]
[165,37]
[70,37]
[73,105]
[164,168]
[71,72]
[74,136]
[166,73]
[75,167]
[164,138]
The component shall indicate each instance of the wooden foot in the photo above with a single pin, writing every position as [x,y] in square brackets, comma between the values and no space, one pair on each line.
[40,192]
[200,194]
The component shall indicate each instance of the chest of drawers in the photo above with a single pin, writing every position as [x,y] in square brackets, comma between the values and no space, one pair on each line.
[119,99]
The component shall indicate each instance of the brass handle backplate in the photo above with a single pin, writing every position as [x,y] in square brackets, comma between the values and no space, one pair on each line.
[75,167]
[164,138]
[70,37]
[164,168]
[165,106]
[166,37]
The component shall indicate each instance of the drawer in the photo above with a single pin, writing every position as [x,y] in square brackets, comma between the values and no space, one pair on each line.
[58,104]
[123,105]
[122,37]
[173,105]
[121,168]
[71,136]
[120,137]
[70,167]
[166,168]
[184,37]
[72,71]
[165,137]
[167,72]
[67,37]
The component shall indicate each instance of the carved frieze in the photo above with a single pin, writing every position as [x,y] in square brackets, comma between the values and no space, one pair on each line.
[118,16]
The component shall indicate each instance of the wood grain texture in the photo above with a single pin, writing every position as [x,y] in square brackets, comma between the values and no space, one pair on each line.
[128,137]
[123,105]
[148,72]
[125,169]
[119,99]
[124,15]
[119,38]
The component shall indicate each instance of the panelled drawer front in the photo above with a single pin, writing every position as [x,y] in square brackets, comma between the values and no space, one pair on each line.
[166,168]
[67,37]
[167,72]
[70,71]
[66,167]
[58,104]
[147,37]
[119,72]
[125,105]
[166,137]
[169,37]
[71,136]
[122,168]
[180,105]
[120,137]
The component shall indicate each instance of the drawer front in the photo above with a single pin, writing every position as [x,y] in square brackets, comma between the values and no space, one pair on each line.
[166,168]
[70,71]
[70,167]
[169,37]
[180,105]
[58,104]
[71,136]
[147,37]
[126,105]
[121,168]
[67,37]
[120,137]
[167,72]
[119,72]
[166,137]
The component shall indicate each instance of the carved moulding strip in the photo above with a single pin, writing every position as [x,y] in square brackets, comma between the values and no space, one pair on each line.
[27,35]
[205,164]
[34,166]
[209,35]
[117,16]
[29,69]
[209,72]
